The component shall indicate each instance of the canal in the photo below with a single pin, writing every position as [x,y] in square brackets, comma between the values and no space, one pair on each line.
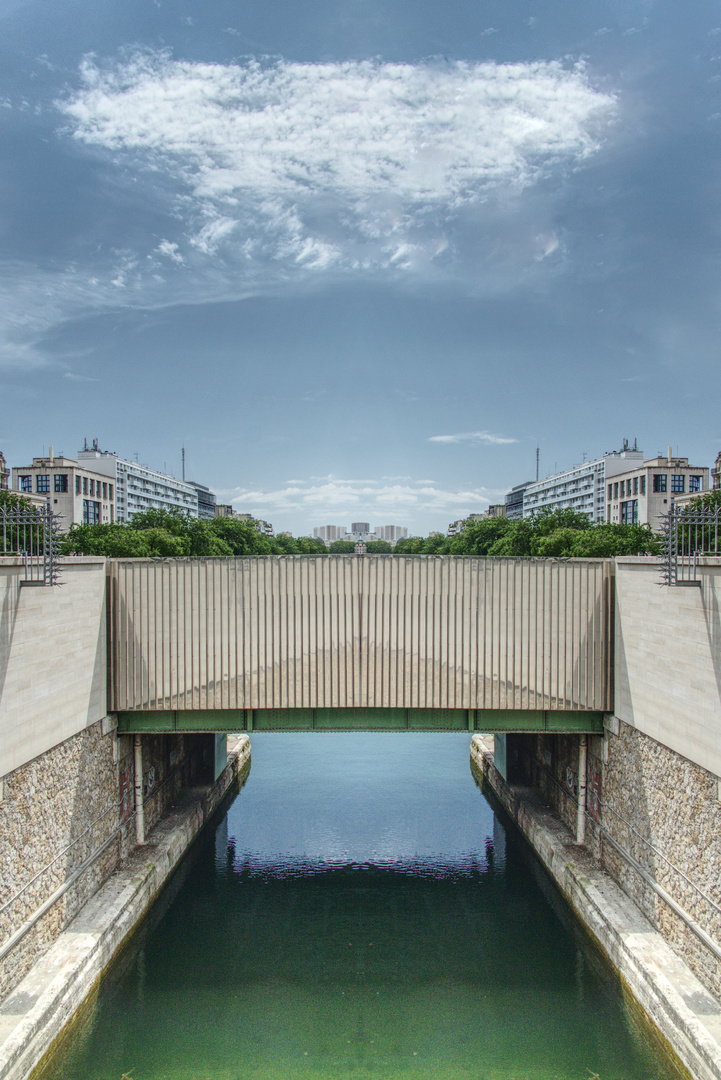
[359,912]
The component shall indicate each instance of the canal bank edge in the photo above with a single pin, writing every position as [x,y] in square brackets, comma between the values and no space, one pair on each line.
[678,1007]
[39,1010]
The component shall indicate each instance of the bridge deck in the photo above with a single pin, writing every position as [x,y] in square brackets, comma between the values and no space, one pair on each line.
[489,720]
[360,632]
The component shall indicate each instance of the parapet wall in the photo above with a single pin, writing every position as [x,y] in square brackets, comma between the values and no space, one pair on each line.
[668,658]
[53,659]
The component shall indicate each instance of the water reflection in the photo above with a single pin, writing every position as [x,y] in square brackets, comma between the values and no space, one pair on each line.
[360,912]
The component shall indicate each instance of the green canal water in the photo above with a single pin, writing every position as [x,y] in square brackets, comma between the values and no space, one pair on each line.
[359,912]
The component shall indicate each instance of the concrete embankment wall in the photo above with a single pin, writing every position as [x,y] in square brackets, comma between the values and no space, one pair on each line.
[653,811]
[66,778]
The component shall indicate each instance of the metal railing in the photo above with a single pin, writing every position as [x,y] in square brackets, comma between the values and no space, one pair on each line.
[689,532]
[31,534]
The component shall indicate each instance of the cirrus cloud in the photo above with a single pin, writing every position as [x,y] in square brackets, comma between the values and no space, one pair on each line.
[474,437]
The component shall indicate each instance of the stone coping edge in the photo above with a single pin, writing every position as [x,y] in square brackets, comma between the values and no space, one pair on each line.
[36,1013]
[677,1005]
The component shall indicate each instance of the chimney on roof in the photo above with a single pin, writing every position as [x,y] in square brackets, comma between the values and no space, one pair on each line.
[50,455]
[669,455]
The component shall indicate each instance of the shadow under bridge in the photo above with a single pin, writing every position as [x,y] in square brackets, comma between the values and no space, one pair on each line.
[361,643]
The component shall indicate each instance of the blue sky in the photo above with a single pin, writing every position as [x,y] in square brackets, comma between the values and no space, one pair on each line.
[360,256]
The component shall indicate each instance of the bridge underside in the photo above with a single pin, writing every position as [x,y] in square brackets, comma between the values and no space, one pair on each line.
[486,720]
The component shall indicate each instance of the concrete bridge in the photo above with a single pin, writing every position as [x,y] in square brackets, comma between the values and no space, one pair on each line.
[371,642]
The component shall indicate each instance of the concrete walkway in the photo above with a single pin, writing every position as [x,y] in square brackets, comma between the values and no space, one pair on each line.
[678,1006]
[35,1014]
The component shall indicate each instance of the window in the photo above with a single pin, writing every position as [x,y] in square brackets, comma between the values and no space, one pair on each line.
[85,485]
[643,485]
[105,490]
[659,481]
[92,487]
[635,485]
[61,481]
[610,492]
[110,487]
[77,485]
[26,483]
[629,512]
[695,483]
[91,512]
[615,491]
[678,483]
[43,484]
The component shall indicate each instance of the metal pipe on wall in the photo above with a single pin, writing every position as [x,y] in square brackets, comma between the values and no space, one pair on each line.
[139,808]
[581,808]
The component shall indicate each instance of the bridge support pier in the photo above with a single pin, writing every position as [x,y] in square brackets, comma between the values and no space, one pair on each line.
[582,769]
[139,809]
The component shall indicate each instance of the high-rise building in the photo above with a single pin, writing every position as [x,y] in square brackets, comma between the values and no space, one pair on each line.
[360,533]
[391,533]
[329,533]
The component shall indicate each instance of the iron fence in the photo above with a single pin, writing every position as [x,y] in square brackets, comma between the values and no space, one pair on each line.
[31,534]
[689,532]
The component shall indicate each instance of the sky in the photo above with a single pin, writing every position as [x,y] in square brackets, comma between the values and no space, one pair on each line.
[360,257]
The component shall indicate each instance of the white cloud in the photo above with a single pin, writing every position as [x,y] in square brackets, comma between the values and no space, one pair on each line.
[170,250]
[318,165]
[384,501]
[473,436]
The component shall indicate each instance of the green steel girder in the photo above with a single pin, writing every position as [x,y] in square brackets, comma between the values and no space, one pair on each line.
[487,720]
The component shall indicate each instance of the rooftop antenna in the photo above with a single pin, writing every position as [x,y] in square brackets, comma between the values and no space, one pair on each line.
[183,463]
[538,454]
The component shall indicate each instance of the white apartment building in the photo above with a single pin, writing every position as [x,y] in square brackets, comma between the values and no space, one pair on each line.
[391,533]
[581,488]
[642,495]
[137,487]
[360,533]
[329,533]
[78,493]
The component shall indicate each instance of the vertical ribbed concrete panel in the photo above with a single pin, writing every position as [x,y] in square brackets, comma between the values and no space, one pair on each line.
[290,632]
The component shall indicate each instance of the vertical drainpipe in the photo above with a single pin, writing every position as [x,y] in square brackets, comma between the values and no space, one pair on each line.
[581,810]
[139,809]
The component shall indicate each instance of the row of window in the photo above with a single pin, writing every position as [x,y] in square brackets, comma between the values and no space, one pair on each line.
[636,485]
[622,488]
[84,485]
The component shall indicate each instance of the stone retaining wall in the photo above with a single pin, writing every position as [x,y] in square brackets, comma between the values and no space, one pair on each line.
[660,808]
[60,808]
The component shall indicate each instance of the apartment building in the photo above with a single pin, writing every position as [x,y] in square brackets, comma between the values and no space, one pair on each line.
[206,501]
[360,532]
[138,487]
[78,493]
[642,495]
[581,488]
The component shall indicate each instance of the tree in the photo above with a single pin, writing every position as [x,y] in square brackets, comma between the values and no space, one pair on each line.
[342,547]
[479,536]
[379,547]
[242,537]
